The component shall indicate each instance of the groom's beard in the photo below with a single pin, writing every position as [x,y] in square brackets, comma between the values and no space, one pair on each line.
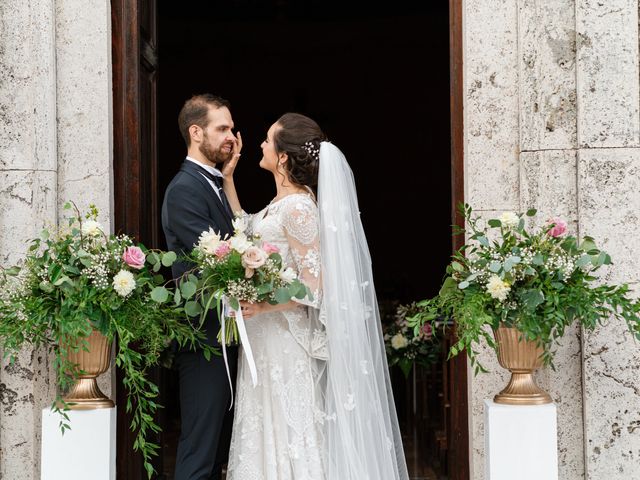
[214,155]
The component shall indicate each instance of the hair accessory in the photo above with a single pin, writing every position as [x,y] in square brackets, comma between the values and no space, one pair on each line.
[312,150]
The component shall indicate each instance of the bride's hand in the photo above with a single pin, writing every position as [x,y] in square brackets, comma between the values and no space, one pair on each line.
[252,309]
[230,165]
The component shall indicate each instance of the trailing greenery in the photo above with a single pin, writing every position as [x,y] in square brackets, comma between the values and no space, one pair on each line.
[539,282]
[79,279]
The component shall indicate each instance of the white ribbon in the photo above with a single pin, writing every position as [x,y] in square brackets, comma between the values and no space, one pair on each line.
[244,341]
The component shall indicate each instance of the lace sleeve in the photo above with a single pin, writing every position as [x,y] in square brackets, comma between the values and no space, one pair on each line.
[300,222]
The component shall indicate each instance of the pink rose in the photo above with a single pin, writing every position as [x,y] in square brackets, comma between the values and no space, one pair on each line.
[223,249]
[253,257]
[559,227]
[269,248]
[134,257]
[425,331]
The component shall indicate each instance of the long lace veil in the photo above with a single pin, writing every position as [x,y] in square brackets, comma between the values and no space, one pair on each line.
[362,435]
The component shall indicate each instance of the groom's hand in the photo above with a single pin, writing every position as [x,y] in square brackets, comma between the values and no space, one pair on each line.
[230,165]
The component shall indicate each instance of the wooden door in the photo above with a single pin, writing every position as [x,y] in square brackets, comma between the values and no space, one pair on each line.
[135,163]
[457,406]
[136,207]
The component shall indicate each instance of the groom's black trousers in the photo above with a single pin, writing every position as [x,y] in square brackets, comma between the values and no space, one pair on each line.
[205,397]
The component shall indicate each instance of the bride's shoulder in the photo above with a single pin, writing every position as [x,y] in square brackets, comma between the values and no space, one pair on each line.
[299,201]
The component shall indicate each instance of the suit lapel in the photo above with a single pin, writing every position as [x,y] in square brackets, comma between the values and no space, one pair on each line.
[212,198]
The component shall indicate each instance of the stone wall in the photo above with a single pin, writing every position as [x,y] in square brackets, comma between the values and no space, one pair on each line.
[55,144]
[551,122]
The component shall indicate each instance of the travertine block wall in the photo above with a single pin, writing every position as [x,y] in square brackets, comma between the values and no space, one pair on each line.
[55,144]
[551,122]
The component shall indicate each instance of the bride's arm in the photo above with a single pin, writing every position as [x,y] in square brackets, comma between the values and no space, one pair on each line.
[227,171]
[301,228]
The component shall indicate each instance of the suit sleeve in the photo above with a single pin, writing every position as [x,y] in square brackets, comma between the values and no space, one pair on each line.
[188,215]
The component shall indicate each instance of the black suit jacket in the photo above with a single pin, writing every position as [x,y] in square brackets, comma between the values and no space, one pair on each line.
[190,207]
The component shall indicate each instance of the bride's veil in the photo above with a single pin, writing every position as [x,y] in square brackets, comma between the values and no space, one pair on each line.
[362,433]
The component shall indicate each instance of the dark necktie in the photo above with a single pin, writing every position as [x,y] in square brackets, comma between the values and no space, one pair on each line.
[217,180]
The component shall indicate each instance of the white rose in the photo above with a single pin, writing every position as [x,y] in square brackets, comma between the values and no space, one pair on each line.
[288,275]
[399,341]
[509,219]
[239,224]
[124,283]
[254,257]
[91,228]
[240,243]
[498,288]
[209,241]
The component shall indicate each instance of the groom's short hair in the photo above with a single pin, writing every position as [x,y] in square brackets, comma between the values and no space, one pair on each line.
[195,111]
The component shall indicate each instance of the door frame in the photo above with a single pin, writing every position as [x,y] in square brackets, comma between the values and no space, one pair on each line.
[130,186]
[458,401]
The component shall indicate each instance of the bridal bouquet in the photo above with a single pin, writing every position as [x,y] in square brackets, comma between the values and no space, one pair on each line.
[239,268]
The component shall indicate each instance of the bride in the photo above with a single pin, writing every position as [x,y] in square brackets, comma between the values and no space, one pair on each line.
[323,406]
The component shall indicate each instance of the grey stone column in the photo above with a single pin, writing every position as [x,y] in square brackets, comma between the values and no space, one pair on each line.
[28,197]
[548,143]
[552,122]
[55,145]
[608,209]
[85,114]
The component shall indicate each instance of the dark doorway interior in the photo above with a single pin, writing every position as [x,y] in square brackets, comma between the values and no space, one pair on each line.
[376,78]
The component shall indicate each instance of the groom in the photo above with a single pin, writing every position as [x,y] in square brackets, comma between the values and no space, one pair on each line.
[194,202]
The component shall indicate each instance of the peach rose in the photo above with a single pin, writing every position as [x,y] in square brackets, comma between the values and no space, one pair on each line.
[254,257]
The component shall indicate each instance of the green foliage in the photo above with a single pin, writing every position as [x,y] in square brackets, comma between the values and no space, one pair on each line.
[406,346]
[76,280]
[539,282]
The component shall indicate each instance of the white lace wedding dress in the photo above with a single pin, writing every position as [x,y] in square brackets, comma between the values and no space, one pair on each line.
[278,424]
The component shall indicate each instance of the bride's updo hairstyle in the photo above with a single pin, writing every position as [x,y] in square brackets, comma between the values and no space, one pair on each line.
[299,137]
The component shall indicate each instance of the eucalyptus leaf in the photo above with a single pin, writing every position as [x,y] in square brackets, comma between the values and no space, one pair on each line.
[168,258]
[188,289]
[153,258]
[495,266]
[538,259]
[192,308]
[159,294]
[264,288]
[233,302]
[282,295]
[457,266]
[583,261]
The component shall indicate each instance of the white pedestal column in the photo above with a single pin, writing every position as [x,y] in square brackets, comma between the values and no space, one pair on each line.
[521,442]
[87,451]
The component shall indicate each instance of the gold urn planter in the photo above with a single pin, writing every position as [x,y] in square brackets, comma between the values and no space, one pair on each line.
[522,358]
[85,393]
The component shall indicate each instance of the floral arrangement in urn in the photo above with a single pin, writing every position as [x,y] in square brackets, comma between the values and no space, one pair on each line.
[406,346]
[535,281]
[79,289]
